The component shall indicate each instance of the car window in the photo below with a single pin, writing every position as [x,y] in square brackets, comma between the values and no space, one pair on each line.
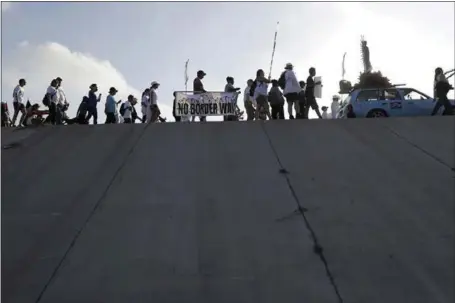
[412,94]
[368,95]
[390,94]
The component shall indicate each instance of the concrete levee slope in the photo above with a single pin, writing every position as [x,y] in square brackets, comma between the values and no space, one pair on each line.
[230,212]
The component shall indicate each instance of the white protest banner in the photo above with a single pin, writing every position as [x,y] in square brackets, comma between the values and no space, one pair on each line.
[205,104]
[318,88]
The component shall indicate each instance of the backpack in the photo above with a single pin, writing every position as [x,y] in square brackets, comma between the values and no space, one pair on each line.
[46,100]
[282,81]
[122,109]
[253,88]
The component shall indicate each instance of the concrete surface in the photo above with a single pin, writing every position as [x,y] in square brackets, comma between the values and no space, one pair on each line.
[204,212]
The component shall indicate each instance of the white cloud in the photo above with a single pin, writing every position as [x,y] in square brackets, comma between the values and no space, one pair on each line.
[39,64]
[400,51]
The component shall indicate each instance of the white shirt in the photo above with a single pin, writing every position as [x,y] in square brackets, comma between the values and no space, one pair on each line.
[18,94]
[127,113]
[261,89]
[61,97]
[325,115]
[52,91]
[334,107]
[153,97]
[292,85]
[246,94]
[145,102]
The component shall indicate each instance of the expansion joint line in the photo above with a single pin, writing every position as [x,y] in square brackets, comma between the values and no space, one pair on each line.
[440,161]
[316,245]
[92,212]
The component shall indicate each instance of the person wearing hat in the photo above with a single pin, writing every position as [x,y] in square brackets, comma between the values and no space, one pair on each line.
[18,102]
[291,90]
[335,106]
[198,88]
[92,102]
[153,111]
[111,107]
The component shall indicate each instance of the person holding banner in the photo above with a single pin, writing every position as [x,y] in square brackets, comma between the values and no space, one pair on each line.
[260,87]
[309,94]
[198,88]
[229,88]
[248,101]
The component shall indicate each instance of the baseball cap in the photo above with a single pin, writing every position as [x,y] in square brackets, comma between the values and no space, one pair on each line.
[201,72]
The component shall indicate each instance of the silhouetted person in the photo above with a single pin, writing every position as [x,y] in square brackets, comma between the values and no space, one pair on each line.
[309,94]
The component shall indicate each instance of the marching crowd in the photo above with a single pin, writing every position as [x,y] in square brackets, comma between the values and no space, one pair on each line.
[260,102]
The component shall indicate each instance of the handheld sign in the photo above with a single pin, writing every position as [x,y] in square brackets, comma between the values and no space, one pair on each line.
[318,88]
[205,104]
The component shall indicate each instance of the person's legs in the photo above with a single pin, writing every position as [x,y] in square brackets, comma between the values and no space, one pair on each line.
[58,115]
[16,111]
[448,108]
[274,111]
[23,114]
[249,110]
[267,108]
[52,112]
[436,107]
[95,116]
[281,112]
[297,105]
[289,102]
[127,121]
[314,105]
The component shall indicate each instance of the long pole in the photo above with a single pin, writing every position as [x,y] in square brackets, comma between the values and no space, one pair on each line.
[273,51]
[186,75]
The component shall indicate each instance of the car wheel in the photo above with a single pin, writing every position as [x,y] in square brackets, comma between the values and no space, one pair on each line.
[377,113]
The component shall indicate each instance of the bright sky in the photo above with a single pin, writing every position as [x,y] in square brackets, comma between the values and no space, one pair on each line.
[128,45]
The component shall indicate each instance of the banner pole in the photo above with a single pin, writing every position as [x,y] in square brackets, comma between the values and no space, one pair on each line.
[186,75]
[273,51]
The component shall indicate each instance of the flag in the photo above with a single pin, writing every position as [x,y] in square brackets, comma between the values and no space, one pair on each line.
[186,73]
[343,70]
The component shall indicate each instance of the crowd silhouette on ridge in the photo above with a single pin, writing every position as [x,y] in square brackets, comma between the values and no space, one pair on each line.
[260,102]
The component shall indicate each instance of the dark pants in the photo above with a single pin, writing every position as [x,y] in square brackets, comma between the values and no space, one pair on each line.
[127,121]
[303,111]
[52,113]
[110,118]
[93,112]
[277,111]
[249,110]
[313,104]
[448,108]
